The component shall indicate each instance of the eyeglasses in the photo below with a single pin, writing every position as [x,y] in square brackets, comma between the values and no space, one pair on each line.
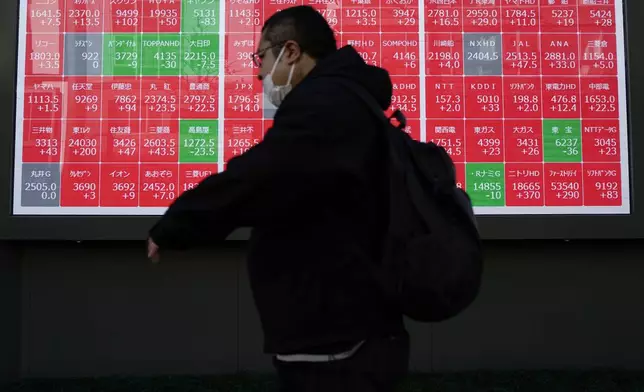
[257,56]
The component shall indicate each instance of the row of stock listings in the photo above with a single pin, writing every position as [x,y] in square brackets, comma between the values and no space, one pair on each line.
[128,103]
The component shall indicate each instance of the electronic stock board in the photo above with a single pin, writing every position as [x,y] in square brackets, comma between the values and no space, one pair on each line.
[122,105]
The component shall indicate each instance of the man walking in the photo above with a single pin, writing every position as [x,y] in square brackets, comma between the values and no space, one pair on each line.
[314,193]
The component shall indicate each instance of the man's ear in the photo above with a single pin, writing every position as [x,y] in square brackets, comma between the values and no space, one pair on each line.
[292,52]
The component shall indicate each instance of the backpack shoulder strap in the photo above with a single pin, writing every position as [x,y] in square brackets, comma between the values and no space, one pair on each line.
[459,197]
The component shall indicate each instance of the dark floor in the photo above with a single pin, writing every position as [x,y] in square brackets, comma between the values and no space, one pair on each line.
[530,381]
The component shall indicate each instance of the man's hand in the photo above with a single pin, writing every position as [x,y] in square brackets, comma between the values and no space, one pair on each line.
[153,251]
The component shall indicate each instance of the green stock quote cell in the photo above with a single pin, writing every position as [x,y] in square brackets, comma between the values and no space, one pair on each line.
[122,54]
[485,184]
[161,54]
[200,16]
[200,54]
[562,140]
[198,141]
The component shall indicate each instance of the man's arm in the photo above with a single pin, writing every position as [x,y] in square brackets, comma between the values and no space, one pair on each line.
[303,159]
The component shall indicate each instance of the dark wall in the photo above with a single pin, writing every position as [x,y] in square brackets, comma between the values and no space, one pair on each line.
[9,313]
[100,310]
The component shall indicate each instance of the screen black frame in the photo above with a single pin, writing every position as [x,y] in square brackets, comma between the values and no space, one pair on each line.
[493,227]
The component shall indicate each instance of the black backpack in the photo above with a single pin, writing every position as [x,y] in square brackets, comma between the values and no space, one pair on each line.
[433,261]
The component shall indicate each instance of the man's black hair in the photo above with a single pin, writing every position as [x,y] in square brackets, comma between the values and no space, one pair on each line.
[304,25]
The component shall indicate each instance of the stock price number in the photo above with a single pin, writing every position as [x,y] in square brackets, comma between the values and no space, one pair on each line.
[490,146]
[200,147]
[88,189]
[569,146]
[527,190]
[46,190]
[453,147]
[127,190]
[160,147]
[608,190]
[489,103]
[406,103]
[491,189]
[606,146]
[566,190]
[601,103]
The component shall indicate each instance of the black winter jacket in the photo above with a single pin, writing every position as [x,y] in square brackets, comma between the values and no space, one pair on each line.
[313,192]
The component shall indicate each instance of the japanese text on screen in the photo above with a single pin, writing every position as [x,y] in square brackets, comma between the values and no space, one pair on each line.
[124,104]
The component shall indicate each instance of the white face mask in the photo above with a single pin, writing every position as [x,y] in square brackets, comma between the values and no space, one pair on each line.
[276,94]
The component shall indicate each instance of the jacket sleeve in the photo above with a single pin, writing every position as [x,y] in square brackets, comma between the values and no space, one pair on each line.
[306,157]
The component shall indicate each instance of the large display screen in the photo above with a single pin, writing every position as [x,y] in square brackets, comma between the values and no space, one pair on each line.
[123,104]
